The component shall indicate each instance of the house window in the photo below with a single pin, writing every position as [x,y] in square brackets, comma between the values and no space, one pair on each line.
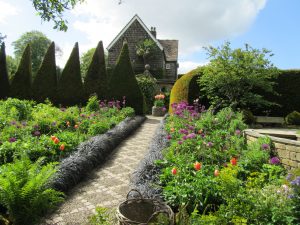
[168,66]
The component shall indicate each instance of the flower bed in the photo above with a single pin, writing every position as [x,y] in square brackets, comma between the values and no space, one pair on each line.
[209,175]
[34,138]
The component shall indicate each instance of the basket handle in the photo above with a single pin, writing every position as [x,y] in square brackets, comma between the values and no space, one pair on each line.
[159,212]
[134,190]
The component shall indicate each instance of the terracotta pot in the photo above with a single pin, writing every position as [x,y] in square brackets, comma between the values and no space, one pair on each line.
[158,111]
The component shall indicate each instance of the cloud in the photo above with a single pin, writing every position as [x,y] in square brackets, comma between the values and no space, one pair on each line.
[195,23]
[187,66]
[6,11]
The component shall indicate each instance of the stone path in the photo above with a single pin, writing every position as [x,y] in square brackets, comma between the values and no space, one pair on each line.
[107,185]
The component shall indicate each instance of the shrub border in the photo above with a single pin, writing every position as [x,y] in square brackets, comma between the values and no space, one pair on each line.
[91,154]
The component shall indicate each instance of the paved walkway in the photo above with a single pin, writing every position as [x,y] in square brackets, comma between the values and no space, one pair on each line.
[107,185]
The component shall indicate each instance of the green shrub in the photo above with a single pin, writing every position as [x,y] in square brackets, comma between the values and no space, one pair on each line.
[70,87]
[98,128]
[16,109]
[149,88]
[123,83]
[96,79]
[23,190]
[127,112]
[293,118]
[92,105]
[181,88]
[4,80]
[45,82]
[21,82]
[248,117]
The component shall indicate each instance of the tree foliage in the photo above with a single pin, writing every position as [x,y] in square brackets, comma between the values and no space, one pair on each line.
[145,49]
[233,76]
[21,82]
[2,37]
[4,81]
[12,66]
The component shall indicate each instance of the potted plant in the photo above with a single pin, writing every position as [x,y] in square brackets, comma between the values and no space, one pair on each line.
[159,108]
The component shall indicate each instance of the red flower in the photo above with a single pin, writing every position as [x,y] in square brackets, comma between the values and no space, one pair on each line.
[62,147]
[233,161]
[216,173]
[174,171]
[53,137]
[56,140]
[197,166]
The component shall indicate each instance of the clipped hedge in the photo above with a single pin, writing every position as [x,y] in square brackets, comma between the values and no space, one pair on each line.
[123,83]
[186,88]
[45,83]
[21,82]
[4,81]
[91,154]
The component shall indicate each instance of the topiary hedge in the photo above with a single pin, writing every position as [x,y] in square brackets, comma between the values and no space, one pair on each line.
[186,88]
[45,83]
[4,81]
[123,83]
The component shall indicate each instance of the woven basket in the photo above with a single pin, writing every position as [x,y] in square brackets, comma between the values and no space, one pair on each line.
[141,211]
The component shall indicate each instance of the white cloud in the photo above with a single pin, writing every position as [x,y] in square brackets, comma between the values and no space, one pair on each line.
[6,11]
[186,66]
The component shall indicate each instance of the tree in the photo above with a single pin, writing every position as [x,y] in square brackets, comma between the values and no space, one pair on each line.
[233,76]
[4,82]
[96,79]
[123,83]
[45,83]
[53,10]
[39,45]
[70,87]
[145,49]
[21,82]
[12,66]
[2,38]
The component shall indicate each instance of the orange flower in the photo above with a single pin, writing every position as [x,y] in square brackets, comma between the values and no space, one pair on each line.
[174,171]
[56,140]
[62,147]
[53,137]
[233,161]
[216,173]
[68,123]
[197,166]
[76,126]
[172,129]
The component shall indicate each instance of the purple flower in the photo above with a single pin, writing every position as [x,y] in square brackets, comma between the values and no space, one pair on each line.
[265,146]
[296,182]
[274,160]
[36,127]
[209,144]
[13,122]
[53,124]
[36,133]
[63,109]
[164,109]
[169,137]
[184,137]
[183,131]
[24,123]
[238,132]
[289,177]
[12,139]
[180,142]
[191,135]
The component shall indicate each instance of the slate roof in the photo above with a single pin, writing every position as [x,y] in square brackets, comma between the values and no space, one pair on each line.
[170,49]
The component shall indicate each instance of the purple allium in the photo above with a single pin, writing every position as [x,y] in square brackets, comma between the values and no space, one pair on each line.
[289,177]
[63,109]
[265,146]
[12,139]
[180,142]
[238,132]
[36,133]
[169,137]
[164,109]
[24,123]
[82,115]
[203,135]
[36,127]
[184,137]
[183,131]
[13,122]
[191,127]
[53,124]
[274,160]
[209,144]
[191,135]
[296,182]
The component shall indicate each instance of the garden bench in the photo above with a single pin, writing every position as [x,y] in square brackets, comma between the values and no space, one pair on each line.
[269,120]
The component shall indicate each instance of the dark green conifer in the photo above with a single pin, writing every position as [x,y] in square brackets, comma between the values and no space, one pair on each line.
[21,82]
[96,78]
[4,81]
[45,82]
[70,87]
[124,83]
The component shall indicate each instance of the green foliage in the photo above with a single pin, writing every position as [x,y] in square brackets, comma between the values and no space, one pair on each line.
[100,128]
[231,77]
[93,104]
[16,109]
[70,87]
[103,216]
[123,83]
[21,82]
[181,88]
[293,118]
[96,79]
[39,44]
[85,61]
[248,117]
[45,83]
[4,81]
[12,66]
[24,192]
[145,48]
[149,88]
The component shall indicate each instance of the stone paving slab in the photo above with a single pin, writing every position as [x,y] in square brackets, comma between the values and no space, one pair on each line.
[107,185]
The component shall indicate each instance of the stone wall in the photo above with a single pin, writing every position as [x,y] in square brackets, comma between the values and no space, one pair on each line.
[171,73]
[287,150]
[133,35]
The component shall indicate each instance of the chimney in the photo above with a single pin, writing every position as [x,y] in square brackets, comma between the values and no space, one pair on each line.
[153,31]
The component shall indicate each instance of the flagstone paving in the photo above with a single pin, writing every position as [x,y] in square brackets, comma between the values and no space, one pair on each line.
[107,185]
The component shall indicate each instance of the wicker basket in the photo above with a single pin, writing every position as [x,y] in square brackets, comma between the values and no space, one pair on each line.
[141,211]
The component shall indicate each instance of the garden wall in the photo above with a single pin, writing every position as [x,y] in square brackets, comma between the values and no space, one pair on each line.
[287,150]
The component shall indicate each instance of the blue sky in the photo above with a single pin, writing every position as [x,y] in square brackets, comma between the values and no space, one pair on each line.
[271,24]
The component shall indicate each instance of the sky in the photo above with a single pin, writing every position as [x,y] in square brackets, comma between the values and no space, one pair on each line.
[270,24]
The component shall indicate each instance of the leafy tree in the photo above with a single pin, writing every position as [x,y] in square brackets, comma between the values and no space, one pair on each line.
[70,87]
[45,83]
[123,83]
[2,37]
[145,49]
[96,79]
[12,66]
[39,45]
[53,10]
[21,81]
[4,82]
[233,77]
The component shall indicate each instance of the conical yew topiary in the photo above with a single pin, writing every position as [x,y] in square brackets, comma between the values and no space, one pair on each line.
[21,82]
[124,83]
[45,82]
[96,78]
[70,87]
[4,81]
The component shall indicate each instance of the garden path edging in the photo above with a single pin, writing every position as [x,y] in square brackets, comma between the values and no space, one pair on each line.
[92,153]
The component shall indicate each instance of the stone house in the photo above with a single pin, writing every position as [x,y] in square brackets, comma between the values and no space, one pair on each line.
[164,60]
